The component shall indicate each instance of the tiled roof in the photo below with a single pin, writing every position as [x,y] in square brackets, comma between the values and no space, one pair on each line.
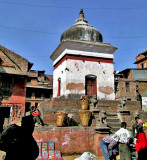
[13,63]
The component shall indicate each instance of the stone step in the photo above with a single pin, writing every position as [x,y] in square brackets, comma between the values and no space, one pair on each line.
[115,120]
[111,114]
[112,117]
[111,111]
[113,125]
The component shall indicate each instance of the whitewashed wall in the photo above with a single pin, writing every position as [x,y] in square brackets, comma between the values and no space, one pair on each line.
[73,79]
[59,72]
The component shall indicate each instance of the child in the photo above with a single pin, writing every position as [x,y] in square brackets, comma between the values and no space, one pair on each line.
[36,116]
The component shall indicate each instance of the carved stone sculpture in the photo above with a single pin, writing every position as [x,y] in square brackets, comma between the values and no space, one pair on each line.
[93,102]
[122,103]
[102,116]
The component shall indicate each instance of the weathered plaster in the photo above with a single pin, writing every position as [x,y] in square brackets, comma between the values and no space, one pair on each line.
[73,86]
[106,90]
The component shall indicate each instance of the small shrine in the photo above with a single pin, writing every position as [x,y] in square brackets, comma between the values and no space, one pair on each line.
[83,63]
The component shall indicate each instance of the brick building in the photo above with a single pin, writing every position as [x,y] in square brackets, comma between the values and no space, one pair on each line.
[39,88]
[13,79]
[141,60]
[132,82]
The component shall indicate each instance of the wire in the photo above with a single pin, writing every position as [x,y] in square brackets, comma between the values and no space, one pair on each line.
[34,5]
[45,32]
[27,30]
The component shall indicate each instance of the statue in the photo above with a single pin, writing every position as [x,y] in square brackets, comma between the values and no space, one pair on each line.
[93,102]
[102,116]
[122,103]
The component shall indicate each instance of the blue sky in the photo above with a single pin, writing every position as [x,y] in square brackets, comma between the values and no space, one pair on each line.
[33,28]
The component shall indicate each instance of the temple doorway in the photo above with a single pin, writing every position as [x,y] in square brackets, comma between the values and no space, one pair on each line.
[91,85]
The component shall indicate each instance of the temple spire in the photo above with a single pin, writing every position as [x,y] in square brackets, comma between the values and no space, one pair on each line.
[81,17]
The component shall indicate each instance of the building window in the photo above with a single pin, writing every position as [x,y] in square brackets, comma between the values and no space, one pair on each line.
[38,94]
[27,106]
[1,61]
[6,86]
[116,87]
[127,87]
[142,65]
[36,104]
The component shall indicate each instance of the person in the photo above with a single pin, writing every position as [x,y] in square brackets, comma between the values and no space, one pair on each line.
[18,142]
[36,116]
[123,137]
[141,143]
[134,127]
[106,145]
[69,121]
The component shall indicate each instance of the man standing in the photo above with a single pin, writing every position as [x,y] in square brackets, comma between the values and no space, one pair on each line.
[123,137]
[134,127]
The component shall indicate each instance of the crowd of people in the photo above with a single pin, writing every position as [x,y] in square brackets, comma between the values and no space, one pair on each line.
[122,140]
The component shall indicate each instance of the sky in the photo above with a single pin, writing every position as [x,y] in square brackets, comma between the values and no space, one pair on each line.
[33,28]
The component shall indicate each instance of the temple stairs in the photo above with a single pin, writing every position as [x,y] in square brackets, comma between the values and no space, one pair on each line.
[113,121]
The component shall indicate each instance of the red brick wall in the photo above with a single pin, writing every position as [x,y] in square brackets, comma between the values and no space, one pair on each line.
[96,147]
[73,106]
[69,139]
[62,103]
[18,96]
[73,103]
[49,116]
[142,60]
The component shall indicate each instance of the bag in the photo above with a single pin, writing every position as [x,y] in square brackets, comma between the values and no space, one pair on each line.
[86,156]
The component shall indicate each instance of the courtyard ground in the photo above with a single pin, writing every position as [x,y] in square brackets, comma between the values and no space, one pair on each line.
[65,157]
[76,156]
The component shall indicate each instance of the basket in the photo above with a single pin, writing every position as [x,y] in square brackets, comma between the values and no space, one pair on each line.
[84,117]
[84,102]
[60,116]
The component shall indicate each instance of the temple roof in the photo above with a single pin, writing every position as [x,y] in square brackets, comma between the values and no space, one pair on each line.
[81,30]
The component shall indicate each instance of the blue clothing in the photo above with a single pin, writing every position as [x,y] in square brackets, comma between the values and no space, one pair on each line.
[104,147]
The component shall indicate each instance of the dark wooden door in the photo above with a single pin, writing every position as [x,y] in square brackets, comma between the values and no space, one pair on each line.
[91,88]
